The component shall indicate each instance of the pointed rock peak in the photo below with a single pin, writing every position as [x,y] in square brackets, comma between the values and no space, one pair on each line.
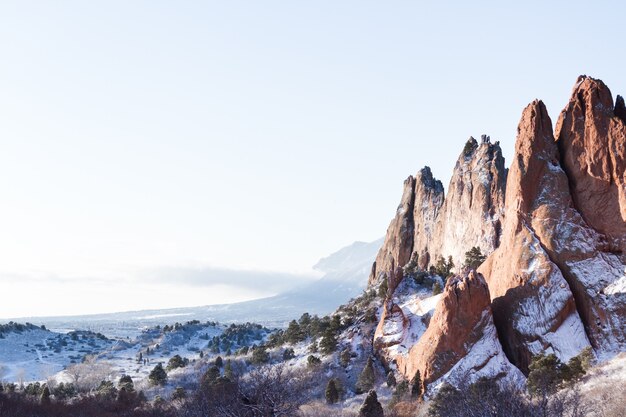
[425,177]
[470,146]
[591,95]
[620,108]
[534,130]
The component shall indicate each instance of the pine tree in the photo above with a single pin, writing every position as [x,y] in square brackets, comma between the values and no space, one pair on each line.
[332,393]
[158,376]
[260,355]
[371,407]
[228,370]
[219,362]
[328,344]
[391,379]
[382,289]
[126,382]
[45,395]
[179,394]
[474,258]
[288,354]
[211,376]
[366,378]
[416,385]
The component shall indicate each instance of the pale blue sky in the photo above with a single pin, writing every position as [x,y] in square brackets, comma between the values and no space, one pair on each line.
[257,135]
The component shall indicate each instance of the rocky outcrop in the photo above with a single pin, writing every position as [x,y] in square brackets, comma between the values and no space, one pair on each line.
[392,327]
[472,214]
[591,135]
[555,228]
[398,245]
[533,306]
[429,198]
[460,341]
[443,226]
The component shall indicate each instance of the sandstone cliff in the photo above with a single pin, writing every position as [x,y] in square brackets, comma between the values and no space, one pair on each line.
[442,226]
[555,231]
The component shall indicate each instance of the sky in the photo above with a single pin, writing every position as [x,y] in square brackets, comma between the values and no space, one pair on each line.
[162,154]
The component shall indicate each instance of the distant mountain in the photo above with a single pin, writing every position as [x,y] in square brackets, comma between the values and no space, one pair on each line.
[346,273]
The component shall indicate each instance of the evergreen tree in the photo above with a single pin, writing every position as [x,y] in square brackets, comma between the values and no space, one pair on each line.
[45,395]
[288,354]
[211,376]
[391,379]
[436,288]
[176,361]
[158,376]
[219,362]
[474,258]
[294,333]
[328,344]
[382,289]
[228,370]
[544,374]
[366,378]
[345,357]
[313,361]
[416,385]
[371,407]
[260,355]
[443,268]
[179,394]
[332,393]
[126,382]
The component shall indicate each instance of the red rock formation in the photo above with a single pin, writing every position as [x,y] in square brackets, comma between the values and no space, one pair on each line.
[470,215]
[429,198]
[533,306]
[473,211]
[460,339]
[591,134]
[398,245]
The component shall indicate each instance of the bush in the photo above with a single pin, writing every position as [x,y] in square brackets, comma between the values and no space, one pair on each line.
[437,288]
[313,361]
[177,361]
[288,354]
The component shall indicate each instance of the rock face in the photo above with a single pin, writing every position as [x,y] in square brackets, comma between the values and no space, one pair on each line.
[471,214]
[473,209]
[461,340]
[591,135]
[554,227]
[398,245]
[533,306]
